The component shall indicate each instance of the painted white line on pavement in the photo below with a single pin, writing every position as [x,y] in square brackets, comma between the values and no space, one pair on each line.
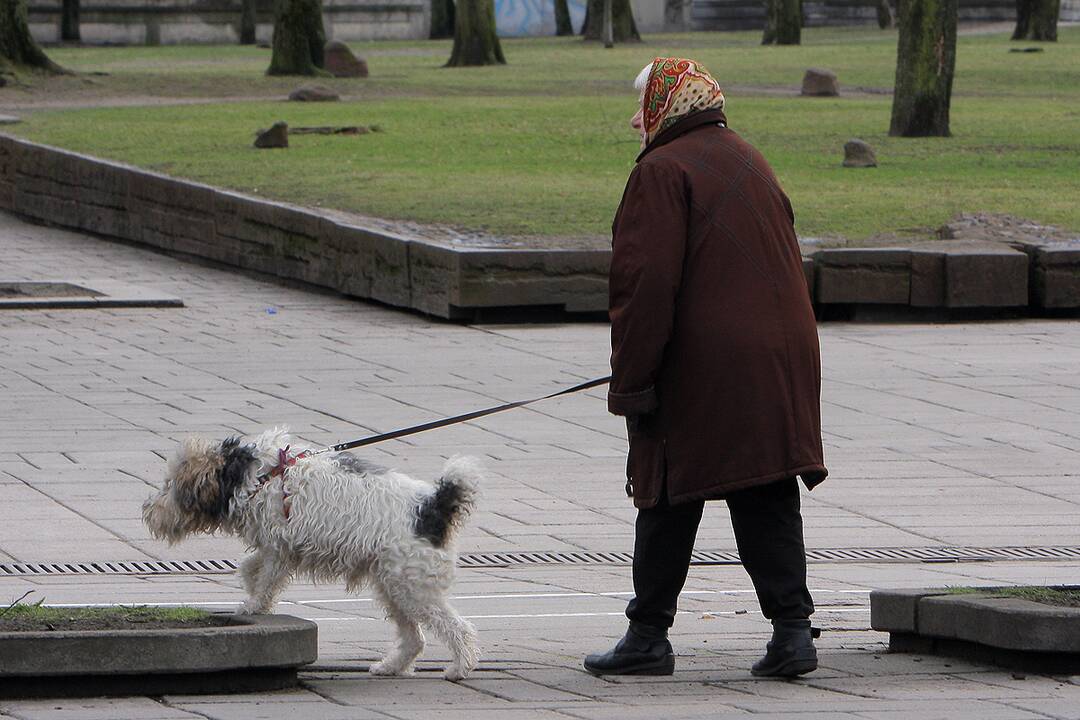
[496,596]
[517,616]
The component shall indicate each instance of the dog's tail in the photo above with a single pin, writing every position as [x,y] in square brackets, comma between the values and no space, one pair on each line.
[442,512]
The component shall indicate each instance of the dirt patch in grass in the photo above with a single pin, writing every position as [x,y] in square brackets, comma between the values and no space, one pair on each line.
[34,618]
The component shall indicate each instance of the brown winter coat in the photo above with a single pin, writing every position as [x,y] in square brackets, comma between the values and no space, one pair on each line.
[714,343]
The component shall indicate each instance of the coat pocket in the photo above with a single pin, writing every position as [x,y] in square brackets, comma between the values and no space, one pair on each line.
[645,467]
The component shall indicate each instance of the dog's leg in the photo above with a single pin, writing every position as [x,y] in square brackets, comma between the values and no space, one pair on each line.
[458,634]
[425,603]
[249,572]
[265,576]
[410,641]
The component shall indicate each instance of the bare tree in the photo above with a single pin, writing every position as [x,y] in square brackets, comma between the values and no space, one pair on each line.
[475,39]
[249,13]
[442,19]
[1037,20]
[299,38]
[563,26]
[925,61]
[17,45]
[69,21]
[623,27]
[783,22]
[886,17]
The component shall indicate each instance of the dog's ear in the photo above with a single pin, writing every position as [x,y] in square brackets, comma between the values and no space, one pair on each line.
[195,477]
[237,461]
[211,475]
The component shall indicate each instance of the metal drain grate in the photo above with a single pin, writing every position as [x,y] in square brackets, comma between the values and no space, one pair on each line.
[510,559]
[149,567]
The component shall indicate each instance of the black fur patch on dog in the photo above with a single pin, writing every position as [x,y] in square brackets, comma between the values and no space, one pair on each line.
[238,460]
[437,512]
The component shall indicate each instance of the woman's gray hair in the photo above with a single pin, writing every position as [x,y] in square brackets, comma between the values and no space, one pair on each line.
[643,78]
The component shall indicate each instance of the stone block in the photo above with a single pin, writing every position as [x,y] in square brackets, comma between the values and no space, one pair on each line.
[576,280]
[967,274]
[896,611]
[272,237]
[985,275]
[368,264]
[109,221]
[820,82]
[102,183]
[434,275]
[340,61]
[241,218]
[8,148]
[863,276]
[171,194]
[41,161]
[1001,622]
[246,644]
[174,215]
[859,154]
[1056,276]
[927,277]
[45,201]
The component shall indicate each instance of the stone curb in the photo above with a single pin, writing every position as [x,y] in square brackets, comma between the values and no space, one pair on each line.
[979,624]
[120,661]
[459,282]
[101,293]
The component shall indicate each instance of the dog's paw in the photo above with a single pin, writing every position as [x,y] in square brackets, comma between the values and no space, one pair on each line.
[384,668]
[252,608]
[455,673]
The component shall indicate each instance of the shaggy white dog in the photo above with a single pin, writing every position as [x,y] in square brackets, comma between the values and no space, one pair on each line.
[332,517]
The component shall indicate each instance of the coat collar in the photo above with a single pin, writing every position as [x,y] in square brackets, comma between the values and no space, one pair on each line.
[687,124]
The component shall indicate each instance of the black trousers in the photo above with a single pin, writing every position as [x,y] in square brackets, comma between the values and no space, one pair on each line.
[768,532]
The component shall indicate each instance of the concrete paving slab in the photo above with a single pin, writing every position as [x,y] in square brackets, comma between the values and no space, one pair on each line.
[938,434]
[92,709]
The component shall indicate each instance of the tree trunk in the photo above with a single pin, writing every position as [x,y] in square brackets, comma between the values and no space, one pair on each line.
[248,20]
[772,10]
[475,40]
[623,26]
[783,22]
[299,38]
[885,17]
[676,17]
[925,60]
[69,21]
[17,46]
[1037,20]
[563,26]
[442,19]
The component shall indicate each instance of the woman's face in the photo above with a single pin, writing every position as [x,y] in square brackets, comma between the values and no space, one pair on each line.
[638,124]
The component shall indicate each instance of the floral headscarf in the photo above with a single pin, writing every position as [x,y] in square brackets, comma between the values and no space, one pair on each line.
[677,87]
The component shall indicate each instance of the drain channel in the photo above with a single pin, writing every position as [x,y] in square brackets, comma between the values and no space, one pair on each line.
[511,559]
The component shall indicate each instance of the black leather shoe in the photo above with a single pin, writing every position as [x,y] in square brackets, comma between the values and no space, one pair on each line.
[644,650]
[791,651]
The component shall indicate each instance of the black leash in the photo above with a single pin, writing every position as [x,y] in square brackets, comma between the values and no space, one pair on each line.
[456,419]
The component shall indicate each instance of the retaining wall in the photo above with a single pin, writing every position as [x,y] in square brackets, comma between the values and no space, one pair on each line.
[1027,268]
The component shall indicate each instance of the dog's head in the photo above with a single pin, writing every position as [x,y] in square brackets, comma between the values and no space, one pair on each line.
[202,479]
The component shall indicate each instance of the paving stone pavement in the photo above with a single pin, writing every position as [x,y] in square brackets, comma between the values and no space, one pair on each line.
[937,435]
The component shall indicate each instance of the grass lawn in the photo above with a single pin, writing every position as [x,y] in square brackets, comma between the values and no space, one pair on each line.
[542,146]
[1061,596]
[31,617]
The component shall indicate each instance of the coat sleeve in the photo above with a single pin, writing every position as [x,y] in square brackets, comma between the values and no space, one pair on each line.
[648,244]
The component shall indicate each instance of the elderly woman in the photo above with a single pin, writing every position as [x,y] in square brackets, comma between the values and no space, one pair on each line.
[715,366]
